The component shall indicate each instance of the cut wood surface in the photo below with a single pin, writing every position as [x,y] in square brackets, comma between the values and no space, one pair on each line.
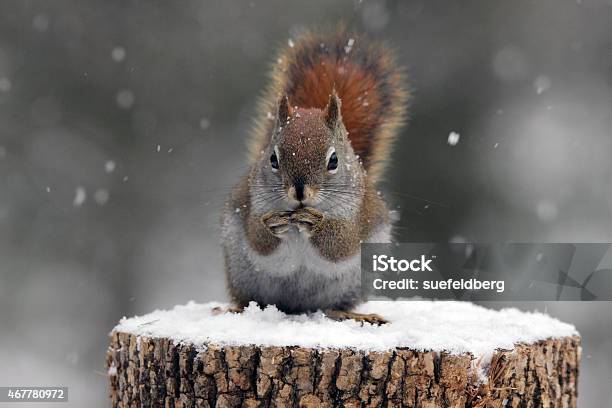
[182,369]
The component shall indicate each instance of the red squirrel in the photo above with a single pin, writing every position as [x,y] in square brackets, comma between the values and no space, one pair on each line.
[292,227]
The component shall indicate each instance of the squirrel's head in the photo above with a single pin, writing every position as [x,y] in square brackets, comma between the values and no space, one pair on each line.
[309,162]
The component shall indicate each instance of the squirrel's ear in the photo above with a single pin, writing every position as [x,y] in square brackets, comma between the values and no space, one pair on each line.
[284,109]
[332,111]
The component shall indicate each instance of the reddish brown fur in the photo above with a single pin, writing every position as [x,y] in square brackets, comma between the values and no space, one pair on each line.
[365,78]
[356,89]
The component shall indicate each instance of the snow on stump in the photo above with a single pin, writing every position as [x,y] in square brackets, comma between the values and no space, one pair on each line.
[431,354]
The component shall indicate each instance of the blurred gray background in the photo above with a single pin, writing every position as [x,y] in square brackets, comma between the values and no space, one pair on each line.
[123,126]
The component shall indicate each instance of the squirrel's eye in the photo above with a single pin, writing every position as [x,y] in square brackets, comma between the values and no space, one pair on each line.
[332,162]
[274,159]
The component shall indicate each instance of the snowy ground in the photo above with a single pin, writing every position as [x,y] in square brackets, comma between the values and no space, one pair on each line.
[456,327]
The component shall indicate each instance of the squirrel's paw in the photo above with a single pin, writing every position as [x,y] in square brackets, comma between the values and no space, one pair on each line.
[278,222]
[232,309]
[371,318]
[306,218]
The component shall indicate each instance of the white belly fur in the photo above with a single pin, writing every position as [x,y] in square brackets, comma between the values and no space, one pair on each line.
[296,253]
[295,276]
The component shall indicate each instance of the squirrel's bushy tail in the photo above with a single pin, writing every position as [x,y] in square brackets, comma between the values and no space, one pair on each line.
[365,77]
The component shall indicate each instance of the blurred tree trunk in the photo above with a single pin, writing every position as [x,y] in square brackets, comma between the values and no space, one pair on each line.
[159,373]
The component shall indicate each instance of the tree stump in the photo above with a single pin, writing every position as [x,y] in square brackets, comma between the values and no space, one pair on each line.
[186,358]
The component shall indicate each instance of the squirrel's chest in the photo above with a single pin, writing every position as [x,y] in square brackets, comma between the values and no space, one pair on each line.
[295,254]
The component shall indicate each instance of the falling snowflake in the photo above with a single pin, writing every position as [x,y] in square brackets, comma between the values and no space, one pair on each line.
[79,196]
[101,196]
[118,54]
[547,210]
[453,138]
[125,98]
[5,84]
[109,166]
[349,45]
[541,84]
[204,123]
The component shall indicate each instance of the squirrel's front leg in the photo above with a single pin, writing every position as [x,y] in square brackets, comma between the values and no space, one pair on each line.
[264,232]
[336,239]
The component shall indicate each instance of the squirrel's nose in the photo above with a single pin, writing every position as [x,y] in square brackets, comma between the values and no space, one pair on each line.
[299,190]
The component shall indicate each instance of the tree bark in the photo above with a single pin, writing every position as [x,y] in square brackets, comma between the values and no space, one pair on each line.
[156,372]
